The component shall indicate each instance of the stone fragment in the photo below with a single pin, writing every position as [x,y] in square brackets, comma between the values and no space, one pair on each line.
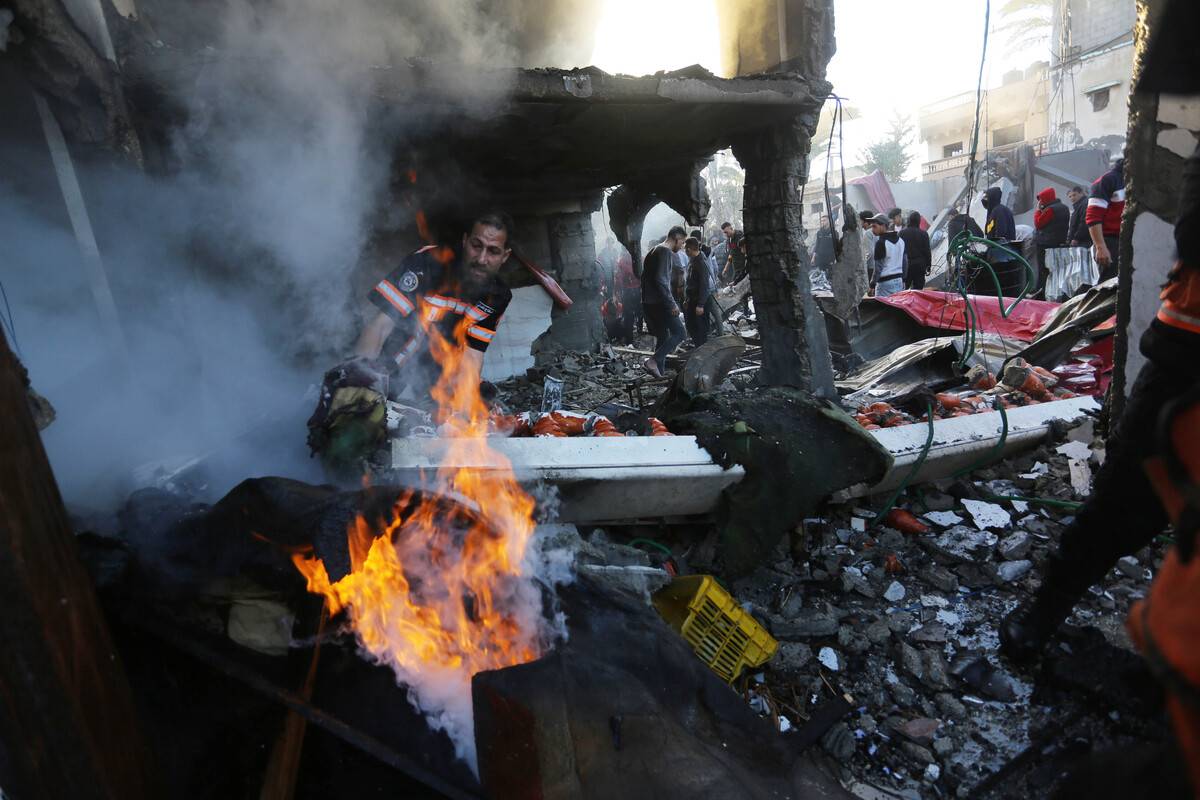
[908,659]
[943,746]
[792,656]
[932,772]
[1130,567]
[878,632]
[921,755]
[964,543]
[938,501]
[900,622]
[1014,547]
[793,605]
[939,578]
[852,641]
[894,592]
[839,742]
[949,706]
[809,623]
[902,694]
[919,730]
[829,659]
[1010,571]
[934,670]
[932,633]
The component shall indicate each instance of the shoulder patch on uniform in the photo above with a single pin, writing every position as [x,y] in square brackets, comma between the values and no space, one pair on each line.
[485,308]
[408,281]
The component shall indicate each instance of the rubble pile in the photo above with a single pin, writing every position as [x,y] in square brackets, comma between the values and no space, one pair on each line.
[905,624]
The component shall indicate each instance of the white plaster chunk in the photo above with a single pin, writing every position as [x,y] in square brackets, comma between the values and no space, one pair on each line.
[1182,111]
[1179,141]
[987,515]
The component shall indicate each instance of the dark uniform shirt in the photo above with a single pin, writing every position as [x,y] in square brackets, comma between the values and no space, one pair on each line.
[424,291]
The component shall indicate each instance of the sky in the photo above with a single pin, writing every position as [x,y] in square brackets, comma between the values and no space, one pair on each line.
[888,59]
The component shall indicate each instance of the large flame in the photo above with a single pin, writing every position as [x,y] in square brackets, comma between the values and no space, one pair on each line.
[438,592]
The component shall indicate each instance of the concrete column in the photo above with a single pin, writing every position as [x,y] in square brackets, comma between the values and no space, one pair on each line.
[1163,132]
[573,262]
[792,328]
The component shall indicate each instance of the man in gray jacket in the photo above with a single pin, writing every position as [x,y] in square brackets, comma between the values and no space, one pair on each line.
[662,313]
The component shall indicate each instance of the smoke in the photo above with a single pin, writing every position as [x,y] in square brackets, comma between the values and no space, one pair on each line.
[237,273]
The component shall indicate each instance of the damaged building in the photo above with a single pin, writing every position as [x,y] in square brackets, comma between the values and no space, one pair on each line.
[781,571]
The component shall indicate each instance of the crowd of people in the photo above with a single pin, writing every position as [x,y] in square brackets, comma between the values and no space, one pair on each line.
[674,296]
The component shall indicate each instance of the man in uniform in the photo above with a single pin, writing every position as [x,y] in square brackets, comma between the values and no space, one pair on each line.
[436,292]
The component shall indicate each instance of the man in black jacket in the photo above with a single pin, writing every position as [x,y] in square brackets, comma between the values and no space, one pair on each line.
[1001,228]
[698,292]
[658,302]
[1077,233]
[823,255]
[1051,220]
[916,247]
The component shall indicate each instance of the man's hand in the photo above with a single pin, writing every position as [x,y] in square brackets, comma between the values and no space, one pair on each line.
[699,311]
[1101,254]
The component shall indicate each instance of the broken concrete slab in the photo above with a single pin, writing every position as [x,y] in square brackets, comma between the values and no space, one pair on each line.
[960,442]
[598,479]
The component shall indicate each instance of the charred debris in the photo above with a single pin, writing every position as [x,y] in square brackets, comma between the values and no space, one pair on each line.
[787,461]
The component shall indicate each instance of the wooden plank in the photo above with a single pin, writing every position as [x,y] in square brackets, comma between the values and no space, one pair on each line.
[67,717]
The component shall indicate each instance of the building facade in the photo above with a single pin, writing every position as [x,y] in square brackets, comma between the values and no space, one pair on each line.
[1010,114]
[1090,71]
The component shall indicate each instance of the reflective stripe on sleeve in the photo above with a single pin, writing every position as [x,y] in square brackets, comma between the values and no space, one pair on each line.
[1098,202]
[395,297]
[482,334]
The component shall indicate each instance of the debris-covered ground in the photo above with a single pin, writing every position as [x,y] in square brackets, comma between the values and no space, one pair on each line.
[902,626]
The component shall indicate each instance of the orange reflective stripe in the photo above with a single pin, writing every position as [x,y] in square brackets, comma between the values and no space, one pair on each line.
[395,297]
[482,334]
[476,313]
[1177,319]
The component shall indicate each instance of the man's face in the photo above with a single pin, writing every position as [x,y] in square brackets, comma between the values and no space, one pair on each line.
[824,221]
[485,249]
[1073,196]
[866,225]
[692,251]
[675,243]
[727,230]
[878,228]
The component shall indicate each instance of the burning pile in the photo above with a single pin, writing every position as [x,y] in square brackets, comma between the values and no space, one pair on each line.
[443,590]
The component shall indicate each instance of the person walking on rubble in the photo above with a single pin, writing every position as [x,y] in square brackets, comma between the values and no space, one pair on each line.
[887,277]
[699,290]
[1122,514]
[629,290]
[917,251]
[712,310]
[662,313]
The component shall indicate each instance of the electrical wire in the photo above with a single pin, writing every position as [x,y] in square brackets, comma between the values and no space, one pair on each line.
[912,473]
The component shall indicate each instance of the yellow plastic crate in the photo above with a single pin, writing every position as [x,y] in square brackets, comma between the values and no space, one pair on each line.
[723,635]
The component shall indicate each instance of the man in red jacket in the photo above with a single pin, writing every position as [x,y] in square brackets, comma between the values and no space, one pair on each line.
[1052,218]
[1104,209]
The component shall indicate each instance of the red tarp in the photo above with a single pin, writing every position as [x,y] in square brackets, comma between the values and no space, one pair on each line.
[944,311]
[879,192]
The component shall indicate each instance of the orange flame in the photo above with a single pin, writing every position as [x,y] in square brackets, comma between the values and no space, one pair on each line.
[438,592]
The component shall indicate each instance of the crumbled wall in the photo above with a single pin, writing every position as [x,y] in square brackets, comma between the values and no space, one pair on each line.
[1163,132]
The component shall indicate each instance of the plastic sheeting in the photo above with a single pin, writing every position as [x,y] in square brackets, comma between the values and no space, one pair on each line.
[945,311]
